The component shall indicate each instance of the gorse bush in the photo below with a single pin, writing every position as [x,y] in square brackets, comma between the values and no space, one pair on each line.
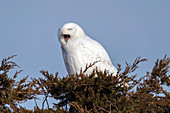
[89,94]
[13,92]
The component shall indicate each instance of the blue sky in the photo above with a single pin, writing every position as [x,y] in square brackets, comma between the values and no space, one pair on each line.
[126,28]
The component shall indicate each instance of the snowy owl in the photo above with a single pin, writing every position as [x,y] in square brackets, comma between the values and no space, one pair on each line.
[80,51]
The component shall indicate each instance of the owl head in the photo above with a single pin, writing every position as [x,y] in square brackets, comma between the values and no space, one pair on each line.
[70,32]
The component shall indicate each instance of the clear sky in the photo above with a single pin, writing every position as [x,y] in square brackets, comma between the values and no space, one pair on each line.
[126,29]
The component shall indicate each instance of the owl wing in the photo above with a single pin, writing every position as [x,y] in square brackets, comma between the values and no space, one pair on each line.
[93,52]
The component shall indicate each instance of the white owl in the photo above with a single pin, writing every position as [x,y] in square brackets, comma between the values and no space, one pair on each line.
[80,51]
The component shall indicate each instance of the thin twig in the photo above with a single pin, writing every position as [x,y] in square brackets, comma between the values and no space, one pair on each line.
[47,101]
[100,108]
[35,103]
[112,104]
[87,67]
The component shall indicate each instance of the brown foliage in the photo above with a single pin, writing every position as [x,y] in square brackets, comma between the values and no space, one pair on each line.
[89,94]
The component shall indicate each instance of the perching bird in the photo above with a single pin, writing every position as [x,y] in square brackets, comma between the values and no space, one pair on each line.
[80,51]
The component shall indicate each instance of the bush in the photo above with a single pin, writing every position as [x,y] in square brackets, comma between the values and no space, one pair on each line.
[90,94]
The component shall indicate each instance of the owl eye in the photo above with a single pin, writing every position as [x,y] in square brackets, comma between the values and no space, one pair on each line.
[69,29]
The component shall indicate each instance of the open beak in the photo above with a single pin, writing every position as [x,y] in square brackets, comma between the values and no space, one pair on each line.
[66,37]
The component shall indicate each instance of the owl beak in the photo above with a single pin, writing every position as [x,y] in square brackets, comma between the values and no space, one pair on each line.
[66,37]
